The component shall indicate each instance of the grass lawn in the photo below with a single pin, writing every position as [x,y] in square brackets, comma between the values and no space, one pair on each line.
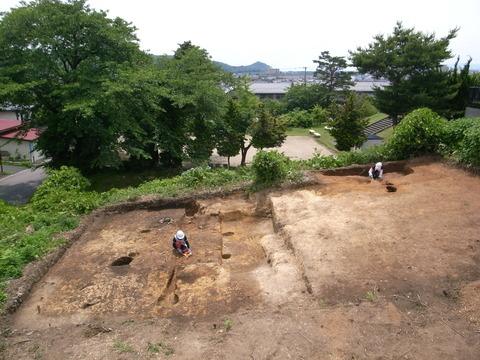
[325,139]
[376,117]
[386,134]
[106,180]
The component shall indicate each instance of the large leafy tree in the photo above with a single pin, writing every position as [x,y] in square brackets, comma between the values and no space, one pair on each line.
[195,103]
[305,97]
[331,72]
[247,123]
[61,60]
[412,62]
[348,124]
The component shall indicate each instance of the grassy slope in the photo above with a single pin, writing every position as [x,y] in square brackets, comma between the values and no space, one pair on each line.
[325,139]
[386,134]
[376,117]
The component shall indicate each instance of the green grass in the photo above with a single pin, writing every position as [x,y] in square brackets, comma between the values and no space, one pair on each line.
[228,324]
[166,349]
[325,138]
[376,117]
[386,134]
[122,347]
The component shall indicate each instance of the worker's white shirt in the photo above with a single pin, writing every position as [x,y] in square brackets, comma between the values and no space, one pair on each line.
[379,167]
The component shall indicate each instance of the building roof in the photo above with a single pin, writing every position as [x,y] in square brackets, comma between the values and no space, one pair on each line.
[368,86]
[8,124]
[282,87]
[270,88]
[29,135]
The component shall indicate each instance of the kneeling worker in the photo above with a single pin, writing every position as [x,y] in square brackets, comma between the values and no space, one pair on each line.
[376,171]
[180,244]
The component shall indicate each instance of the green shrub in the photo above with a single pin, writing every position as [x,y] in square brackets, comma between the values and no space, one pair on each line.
[346,158]
[65,191]
[298,118]
[269,167]
[455,132]
[66,178]
[469,148]
[419,133]
[319,115]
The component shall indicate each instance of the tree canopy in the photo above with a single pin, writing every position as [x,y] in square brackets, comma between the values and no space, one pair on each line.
[348,124]
[247,123]
[412,62]
[305,96]
[331,72]
[61,60]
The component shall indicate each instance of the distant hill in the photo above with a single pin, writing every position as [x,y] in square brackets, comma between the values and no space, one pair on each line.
[257,67]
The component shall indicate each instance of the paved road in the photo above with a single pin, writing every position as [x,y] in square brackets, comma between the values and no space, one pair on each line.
[295,147]
[19,187]
[11,169]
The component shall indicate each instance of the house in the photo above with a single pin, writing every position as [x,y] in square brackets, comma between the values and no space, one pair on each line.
[10,112]
[18,144]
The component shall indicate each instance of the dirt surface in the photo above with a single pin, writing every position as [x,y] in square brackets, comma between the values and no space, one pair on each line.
[295,147]
[340,270]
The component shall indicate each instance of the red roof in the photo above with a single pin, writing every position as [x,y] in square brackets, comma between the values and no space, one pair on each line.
[30,135]
[9,124]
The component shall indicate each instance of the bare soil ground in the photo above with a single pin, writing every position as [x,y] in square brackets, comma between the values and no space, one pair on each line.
[340,270]
[295,147]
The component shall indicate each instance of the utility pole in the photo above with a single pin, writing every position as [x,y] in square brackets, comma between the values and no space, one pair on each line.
[305,76]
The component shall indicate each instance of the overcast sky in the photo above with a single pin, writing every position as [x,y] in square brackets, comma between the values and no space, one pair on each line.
[288,34]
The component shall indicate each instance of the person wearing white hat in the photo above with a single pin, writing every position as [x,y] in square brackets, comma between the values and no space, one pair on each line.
[376,171]
[180,243]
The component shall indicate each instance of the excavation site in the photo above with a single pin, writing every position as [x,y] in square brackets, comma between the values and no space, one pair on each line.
[341,268]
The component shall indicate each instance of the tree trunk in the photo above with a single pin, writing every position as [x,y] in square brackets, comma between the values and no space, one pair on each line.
[244,150]
[228,161]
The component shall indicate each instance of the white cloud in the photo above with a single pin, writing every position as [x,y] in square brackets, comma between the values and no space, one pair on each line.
[288,34]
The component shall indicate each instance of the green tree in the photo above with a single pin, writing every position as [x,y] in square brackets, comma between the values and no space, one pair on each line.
[412,62]
[305,97]
[60,60]
[267,131]
[348,124]
[331,72]
[195,103]
[229,140]
[461,81]
[248,123]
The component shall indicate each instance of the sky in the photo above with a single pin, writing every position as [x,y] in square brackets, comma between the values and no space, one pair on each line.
[288,34]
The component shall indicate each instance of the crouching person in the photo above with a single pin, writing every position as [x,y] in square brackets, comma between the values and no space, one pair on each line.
[376,171]
[181,244]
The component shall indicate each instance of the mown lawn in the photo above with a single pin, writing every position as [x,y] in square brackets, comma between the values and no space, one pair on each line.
[325,138]
[376,117]
[386,134]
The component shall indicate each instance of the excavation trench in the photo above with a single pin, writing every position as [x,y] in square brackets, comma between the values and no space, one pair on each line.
[145,277]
